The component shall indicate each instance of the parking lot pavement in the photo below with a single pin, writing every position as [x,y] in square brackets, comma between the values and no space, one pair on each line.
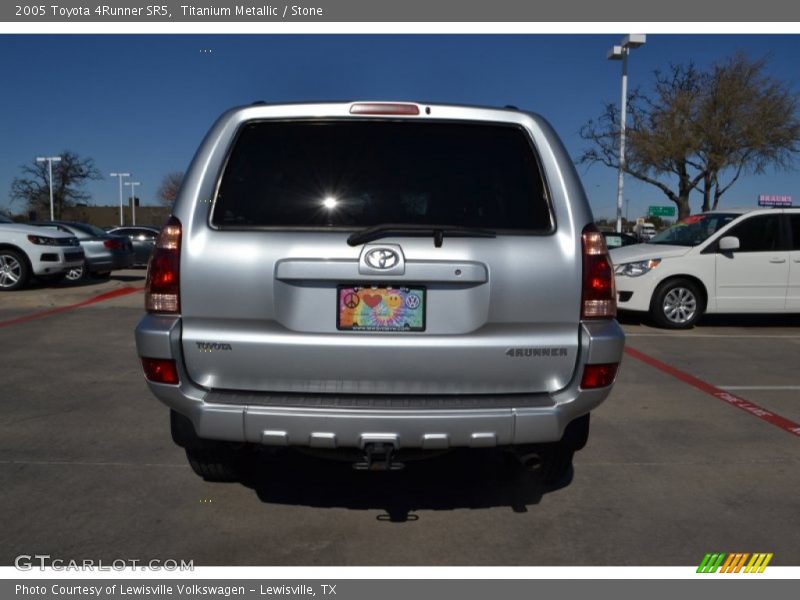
[41,295]
[670,472]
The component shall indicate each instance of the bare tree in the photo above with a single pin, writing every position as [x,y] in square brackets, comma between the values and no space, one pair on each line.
[169,187]
[701,130]
[69,176]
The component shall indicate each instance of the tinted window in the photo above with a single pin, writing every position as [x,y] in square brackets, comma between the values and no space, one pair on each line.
[693,230]
[143,234]
[357,174]
[794,220]
[758,234]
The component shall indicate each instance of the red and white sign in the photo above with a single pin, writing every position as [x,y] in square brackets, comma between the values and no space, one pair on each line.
[774,200]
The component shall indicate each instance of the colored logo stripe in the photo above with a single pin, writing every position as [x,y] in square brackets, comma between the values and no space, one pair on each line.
[711,563]
[733,563]
[758,563]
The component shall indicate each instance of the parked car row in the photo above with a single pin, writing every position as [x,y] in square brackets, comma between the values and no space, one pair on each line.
[27,251]
[103,251]
[143,240]
[52,251]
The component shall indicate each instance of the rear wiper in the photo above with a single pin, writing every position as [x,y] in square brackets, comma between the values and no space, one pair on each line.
[377,232]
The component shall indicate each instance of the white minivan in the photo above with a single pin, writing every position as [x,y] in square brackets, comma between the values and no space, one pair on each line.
[731,261]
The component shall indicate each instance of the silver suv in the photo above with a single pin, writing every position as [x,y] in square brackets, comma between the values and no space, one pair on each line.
[380,280]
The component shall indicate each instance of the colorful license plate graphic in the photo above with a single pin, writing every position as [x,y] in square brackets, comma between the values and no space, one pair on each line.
[378,308]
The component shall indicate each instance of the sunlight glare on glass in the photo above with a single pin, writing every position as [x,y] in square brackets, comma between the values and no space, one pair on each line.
[330,202]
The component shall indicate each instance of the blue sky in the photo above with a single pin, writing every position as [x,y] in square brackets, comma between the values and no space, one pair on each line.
[142,103]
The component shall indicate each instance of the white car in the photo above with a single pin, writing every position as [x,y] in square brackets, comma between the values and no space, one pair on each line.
[733,261]
[27,251]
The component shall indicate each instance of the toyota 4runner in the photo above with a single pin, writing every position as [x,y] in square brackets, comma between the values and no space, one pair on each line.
[380,278]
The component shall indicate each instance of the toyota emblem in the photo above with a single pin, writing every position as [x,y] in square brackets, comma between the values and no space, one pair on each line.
[382,258]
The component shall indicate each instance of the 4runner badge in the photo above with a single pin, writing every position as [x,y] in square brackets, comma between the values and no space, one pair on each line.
[530,352]
[212,346]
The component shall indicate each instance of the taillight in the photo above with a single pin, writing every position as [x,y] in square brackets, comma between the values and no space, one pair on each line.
[162,291]
[599,292]
[160,370]
[383,108]
[598,376]
[114,244]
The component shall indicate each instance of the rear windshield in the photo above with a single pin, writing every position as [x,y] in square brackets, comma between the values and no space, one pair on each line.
[358,174]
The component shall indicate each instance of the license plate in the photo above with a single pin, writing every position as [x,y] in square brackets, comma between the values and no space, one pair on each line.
[380,308]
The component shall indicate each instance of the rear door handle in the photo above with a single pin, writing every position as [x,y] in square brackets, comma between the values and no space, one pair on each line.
[777,260]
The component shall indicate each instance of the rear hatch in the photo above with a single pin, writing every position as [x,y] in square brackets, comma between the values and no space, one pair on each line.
[467,284]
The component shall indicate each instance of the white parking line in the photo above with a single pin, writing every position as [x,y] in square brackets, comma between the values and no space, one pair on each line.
[759,387]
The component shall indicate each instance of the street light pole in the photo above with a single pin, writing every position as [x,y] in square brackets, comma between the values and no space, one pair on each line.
[133,185]
[50,160]
[120,175]
[621,53]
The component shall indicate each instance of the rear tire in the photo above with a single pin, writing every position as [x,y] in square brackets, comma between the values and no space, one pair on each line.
[556,463]
[555,459]
[215,464]
[212,460]
[677,304]
[14,270]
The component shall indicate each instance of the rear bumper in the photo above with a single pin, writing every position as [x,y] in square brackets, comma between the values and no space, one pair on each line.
[323,421]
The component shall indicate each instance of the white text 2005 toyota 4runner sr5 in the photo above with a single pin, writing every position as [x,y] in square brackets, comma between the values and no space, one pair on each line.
[380,280]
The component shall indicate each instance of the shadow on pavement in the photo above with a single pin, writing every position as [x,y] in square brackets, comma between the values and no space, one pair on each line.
[85,282]
[728,320]
[458,479]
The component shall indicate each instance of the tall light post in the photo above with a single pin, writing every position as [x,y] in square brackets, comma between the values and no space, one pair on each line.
[50,160]
[629,42]
[133,185]
[120,175]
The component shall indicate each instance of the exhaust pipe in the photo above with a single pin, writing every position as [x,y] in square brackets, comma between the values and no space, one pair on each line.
[531,462]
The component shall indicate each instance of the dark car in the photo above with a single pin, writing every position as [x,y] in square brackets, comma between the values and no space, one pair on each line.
[143,240]
[104,252]
[618,240]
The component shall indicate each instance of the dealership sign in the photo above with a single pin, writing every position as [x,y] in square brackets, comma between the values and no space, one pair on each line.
[661,211]
[772,200]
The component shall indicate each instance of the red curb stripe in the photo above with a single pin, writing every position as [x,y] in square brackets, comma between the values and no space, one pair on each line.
[124,291]
[732,399]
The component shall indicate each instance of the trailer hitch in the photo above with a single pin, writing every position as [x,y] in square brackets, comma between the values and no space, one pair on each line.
[379,456]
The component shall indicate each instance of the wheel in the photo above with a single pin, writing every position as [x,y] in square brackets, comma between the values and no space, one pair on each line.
[552,463]
[556,463]
[14,270]
[210,459]
[677,304]
[77,273]
[214,464]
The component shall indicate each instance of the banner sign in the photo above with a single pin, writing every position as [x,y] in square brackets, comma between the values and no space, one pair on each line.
[774,200]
